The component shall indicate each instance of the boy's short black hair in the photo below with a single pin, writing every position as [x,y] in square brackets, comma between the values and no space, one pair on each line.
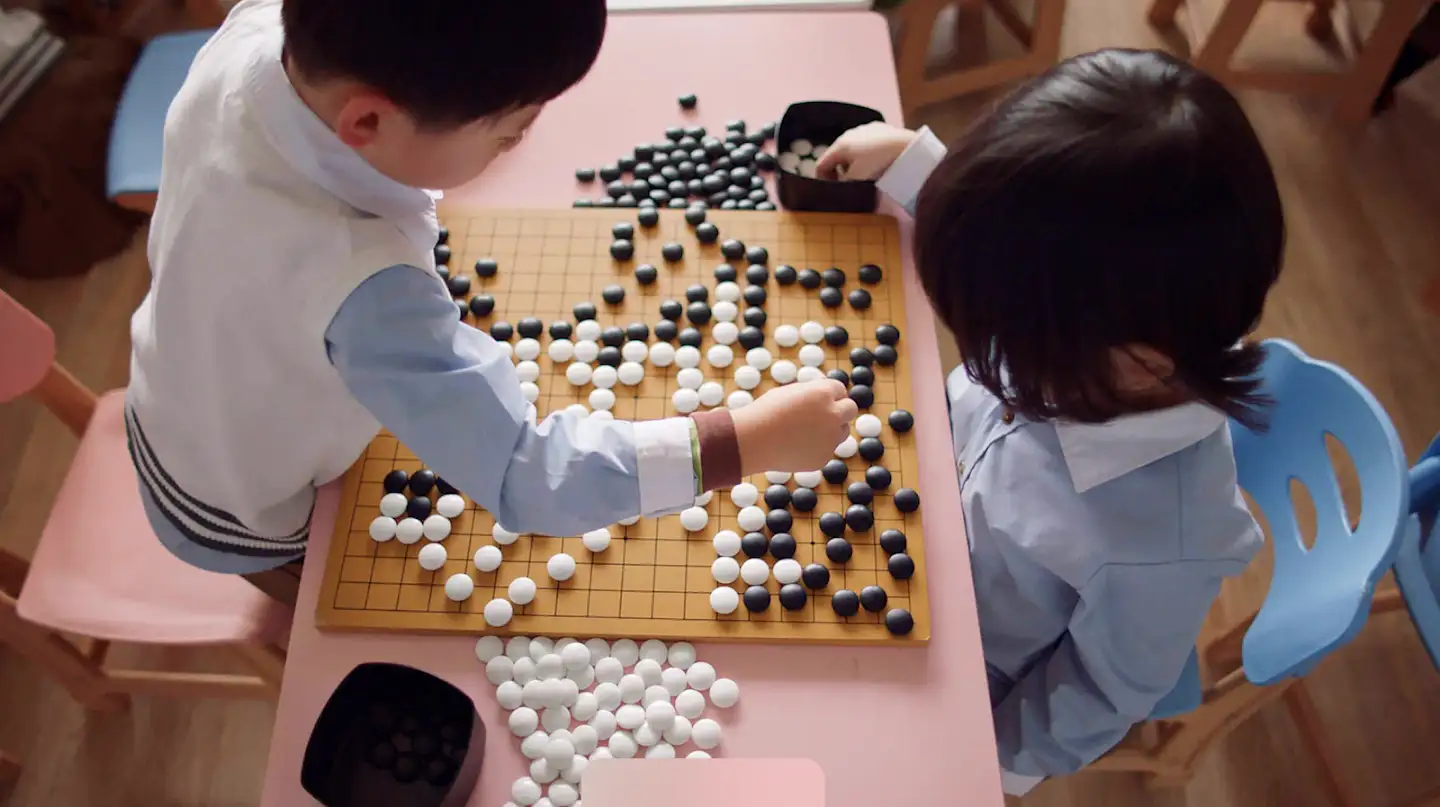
[448,62]
[1119,199]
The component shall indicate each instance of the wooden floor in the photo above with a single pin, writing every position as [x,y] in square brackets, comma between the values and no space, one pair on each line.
[1364,256]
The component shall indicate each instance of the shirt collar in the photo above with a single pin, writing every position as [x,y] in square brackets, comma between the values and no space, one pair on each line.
[312,149]
[1097,453]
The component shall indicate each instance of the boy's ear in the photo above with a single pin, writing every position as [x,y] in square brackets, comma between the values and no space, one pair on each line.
[361,118]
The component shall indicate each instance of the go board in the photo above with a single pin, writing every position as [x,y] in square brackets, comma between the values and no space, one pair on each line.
[655,578]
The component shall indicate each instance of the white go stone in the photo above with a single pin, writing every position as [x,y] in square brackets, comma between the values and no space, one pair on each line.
[522,591]
[808,374]
[602,414]
[586,705]
[673,679]
[596,540]
[601,753]
[725,311]
[632,688]
[631,716]
[787,570]
[704,498]
[607,694]
[579,374]
[705,733]
[788,161]
[655,694]
[559,752]
[747,377]
[728,291]
[604,723]
[561,350]
[726,333]
[807,168]
[570,692]
[711,393]
[530,391]
[626,650]
[700,675]
[801,147]
[634,350]
[787,335]
[409,530]
[809,479]
[867,425]
[755,572]
[533,746]
[527,370]
[739,399]
[631,373]
[432,557]
[744,494]
[694,519]
[624,522]
[679,731]
[393,504]
[847,448]
[543,772]
[662,355]
[604,376]
[524,671]
[599,648]
[601,399]
[382,529]
[583,677]
[436,527]
[555,718]
[812,355]
[727,543]
[487,558]
[503,536]
[575,656]
[685,400]
[660,714]
[649,670]
[450,505]
[577,409]
[751,519]
[622,745]
[500,669]
[560,567]
[576,771]
[724,693]
[527,349]
[509,695]
[687,356]
[488,647]
[459,587]
[523,721]
[724,600]
[720,356]
[725,570]
[585,350]
[812,332]
[549,666]
[585,737]
[819,151]
[698,755]
[563,794]
[608,671]
[506,348]
[660,750]
[517,648]
[588,330]
[525,791]
[681,655]
[690,378]
[783,371]
[690,704]
[777,477]
[759,358]
[656,651]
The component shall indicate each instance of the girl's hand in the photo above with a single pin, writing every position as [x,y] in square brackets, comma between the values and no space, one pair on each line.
[863,153]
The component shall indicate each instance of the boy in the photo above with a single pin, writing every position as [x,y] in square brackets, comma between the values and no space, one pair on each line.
[295,307]
[1099,243]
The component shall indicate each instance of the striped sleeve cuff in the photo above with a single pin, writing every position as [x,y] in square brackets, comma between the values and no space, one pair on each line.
[665,462]
[903,180]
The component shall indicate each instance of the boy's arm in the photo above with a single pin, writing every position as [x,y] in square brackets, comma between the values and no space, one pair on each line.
[903,179]
[1128,640]
[451,395]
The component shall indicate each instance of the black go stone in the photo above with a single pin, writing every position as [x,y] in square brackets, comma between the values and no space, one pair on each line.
[582,203]
[605,202]
[740,176]
[672,252]
[859,518]
[736,125]
[610,172]
[440,771]
[803,500]
[757,274]
[695,187]
[418,507]
[755,295]
[892,541]
[714,147]
[382,755]
[714,182]
[815,576]
[626,164]
[901,566]
[725,273]
[870,274]
[691,337]
[861,357]
[907,500]
[887,335]
[661,158]
[877,477]
[656,182]
[660,197]
[785,275]
[648,217]
[677,203]
[609,356]
[530,328]
[627,200]
[700,158]
[442,253]
[782,545]
[686,170]
[637,332]
[728,204]
[832,524]
[756,139]
[860,493]
[459,285]
[674,133]
[707,233]
[697,294]
[445,488]
[443,272]
[834,276]
[838,550]
[899,621]
[792,596]
[755,317]
[830,297]
[395,481]
[666,331]
[481,305]
[901,421]
[758,195]
[839,375]
[442,236]
[643,170]
[687,142]
[776,496]
[733,249]
[836,336]
[862,375]
[754,545]
[486,267]
[695,215]
[614,295]
[765,161]
[612,337]
[460,307]
[622,250]
[758,255]
[751,336]
[809,279]
[407,768]
[742,156]
[886,355]
[744,204]
[845,602]
[680,153]
[756,182]
[502,331]
[678,191]
[778,521]
[757,599]
[672,310]
[862,395]
[639,188]
[835,471]
[697,132]
[644,152]
[735,193]
[871,449]
[873,599]
[623,229]
[859,299]
[617,188]
[645,274]
[425,744]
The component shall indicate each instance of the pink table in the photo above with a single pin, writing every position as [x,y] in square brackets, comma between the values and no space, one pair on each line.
[887,726]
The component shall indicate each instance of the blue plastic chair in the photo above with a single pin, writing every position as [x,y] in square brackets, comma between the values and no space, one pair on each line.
[1417,566]
[138,134]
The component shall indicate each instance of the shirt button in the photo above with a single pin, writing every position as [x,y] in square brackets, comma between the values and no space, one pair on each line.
[960,467]
[1008,417]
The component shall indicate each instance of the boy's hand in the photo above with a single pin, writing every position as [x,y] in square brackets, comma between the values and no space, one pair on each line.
[794,427]
[864,152]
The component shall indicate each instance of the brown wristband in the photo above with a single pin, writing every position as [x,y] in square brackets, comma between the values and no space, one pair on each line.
[719,448]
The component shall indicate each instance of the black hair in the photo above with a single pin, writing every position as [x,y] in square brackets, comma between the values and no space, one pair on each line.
[1119,199]
[448,62]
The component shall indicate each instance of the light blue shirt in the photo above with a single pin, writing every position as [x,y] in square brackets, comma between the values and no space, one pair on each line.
[1097,551]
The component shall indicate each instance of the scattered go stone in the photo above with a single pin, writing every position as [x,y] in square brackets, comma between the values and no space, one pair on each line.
[733,249]
[585,174]
[901,421]
[531,327]
[830,297]
[907,500]
[886,355]
[901,566]
[838,550]
[873,599]
[613,294]
[863,396]
[892,541]
[648,217]
[815,576]
[688,101]
[502,331]
[803,500]
[695,216]
[785,275]
[809,279]
[646,274]
[833,277]
[486,267]
[899,621]
[877,477]
[622,249]
[481,305]
[672,252]
[707,233]
[623,229]
[845,602]
[870,274]
[859,299]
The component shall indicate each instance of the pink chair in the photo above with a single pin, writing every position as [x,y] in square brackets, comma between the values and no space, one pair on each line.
[100,573]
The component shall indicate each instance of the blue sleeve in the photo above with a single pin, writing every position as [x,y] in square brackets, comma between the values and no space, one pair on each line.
[450,394]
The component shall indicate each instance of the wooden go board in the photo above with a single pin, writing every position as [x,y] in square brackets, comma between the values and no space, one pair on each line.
[654,580]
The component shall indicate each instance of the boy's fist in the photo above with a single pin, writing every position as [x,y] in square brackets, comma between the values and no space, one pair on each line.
[864,152]
[794,427]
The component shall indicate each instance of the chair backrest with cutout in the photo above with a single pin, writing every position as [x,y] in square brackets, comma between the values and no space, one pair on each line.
[27,349]
[1319,596]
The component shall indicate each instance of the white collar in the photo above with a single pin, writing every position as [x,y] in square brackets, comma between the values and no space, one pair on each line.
[312,149]
[1097,453]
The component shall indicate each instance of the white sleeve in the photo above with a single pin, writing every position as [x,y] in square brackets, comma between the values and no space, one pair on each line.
[902,181]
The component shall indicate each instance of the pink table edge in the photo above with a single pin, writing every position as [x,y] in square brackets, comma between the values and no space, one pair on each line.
[922,716]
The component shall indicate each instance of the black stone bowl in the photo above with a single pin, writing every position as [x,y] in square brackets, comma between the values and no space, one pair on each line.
[822,122]
[392,735]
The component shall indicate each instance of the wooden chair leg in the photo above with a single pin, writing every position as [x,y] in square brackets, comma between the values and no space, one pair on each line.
[1045,40]
[1162,13]
[85,680]
[1377,56]
[9,774]
[268,662]
[1215,53]
[917,24]
[1321,22]
[1307,720]
[1012,21]
[12,573]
